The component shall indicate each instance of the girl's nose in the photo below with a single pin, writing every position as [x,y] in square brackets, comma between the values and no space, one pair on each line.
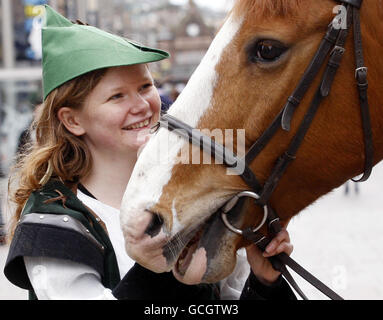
[138,104]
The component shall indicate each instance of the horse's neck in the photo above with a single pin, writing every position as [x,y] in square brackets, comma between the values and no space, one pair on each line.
[372,27]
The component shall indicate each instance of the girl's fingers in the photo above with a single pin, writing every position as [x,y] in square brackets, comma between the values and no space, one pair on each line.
[281,243]
[283,247]
[282,236]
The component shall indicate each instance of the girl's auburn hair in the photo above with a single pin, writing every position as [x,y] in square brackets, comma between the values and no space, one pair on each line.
[53,152]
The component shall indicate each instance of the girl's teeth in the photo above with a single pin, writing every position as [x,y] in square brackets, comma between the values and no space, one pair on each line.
[139,125]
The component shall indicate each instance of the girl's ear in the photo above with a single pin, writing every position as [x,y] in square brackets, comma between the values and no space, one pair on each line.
[69,118]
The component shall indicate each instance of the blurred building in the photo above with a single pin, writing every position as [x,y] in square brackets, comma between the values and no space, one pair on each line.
[187,42]
[185,31]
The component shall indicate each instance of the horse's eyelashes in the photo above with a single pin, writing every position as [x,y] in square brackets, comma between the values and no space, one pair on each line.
[265,51]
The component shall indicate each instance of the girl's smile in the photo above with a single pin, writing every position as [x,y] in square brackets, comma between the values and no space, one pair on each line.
[144,124]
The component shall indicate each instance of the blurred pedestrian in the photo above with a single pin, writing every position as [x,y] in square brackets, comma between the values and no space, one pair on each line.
[27,134]
[166,100]
[2,226]
[347,187]
[2,175]
[2,117]
[2,221]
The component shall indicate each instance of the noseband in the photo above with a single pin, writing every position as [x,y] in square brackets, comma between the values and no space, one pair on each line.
[332,46]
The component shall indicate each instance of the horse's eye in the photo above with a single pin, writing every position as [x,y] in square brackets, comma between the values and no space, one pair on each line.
[266,51]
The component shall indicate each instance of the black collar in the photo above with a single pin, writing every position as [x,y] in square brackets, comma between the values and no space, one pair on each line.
[85,191]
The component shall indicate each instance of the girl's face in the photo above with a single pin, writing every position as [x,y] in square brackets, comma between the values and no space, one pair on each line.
[117,115]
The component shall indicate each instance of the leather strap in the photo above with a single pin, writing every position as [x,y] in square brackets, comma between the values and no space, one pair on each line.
[262,142]
[282,260]
[311,72]
[276,262]
[214,148]
[362,84]
[336,57]
[354,3]
[323,91]
[285,116]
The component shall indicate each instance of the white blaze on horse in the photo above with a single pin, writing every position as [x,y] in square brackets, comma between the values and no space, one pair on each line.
[256,61]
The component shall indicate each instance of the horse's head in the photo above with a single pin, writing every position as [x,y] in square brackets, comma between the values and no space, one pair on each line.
[253,65]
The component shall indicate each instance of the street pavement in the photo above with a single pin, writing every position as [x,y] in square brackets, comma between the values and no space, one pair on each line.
[339,239]
[9,291]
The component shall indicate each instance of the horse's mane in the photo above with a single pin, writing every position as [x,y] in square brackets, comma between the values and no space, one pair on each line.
[267,8]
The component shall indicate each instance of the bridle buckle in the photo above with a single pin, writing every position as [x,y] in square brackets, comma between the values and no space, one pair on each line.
[231,204]
[338,49]
[361,69]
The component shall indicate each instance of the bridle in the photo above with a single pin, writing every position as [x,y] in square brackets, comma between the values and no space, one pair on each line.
[332,45]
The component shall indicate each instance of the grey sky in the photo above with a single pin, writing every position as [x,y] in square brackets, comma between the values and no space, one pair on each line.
[214,4]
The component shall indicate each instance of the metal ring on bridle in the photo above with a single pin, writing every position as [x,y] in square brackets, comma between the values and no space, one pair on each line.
[231,204]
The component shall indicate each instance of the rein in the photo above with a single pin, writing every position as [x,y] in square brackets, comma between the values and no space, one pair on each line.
[332,45]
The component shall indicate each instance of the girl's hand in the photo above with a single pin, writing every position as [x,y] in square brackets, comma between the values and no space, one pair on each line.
[259,263]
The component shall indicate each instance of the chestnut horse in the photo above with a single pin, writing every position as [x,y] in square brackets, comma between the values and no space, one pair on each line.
[255,62]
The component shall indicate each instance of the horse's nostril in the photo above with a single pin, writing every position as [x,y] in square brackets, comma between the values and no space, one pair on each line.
[155,225]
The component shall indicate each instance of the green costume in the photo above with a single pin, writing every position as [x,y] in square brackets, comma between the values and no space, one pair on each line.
[56,224]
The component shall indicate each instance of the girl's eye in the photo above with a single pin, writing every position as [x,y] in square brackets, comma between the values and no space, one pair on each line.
[266,51]
[116,96]
[147,86]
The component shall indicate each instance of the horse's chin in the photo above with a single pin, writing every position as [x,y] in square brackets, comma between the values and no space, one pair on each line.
[209,257]
[192,269]
[202,270]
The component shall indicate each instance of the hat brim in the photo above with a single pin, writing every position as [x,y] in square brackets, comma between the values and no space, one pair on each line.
[72,50]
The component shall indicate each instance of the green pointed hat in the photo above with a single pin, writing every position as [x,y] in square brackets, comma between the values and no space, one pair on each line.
[71,50]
